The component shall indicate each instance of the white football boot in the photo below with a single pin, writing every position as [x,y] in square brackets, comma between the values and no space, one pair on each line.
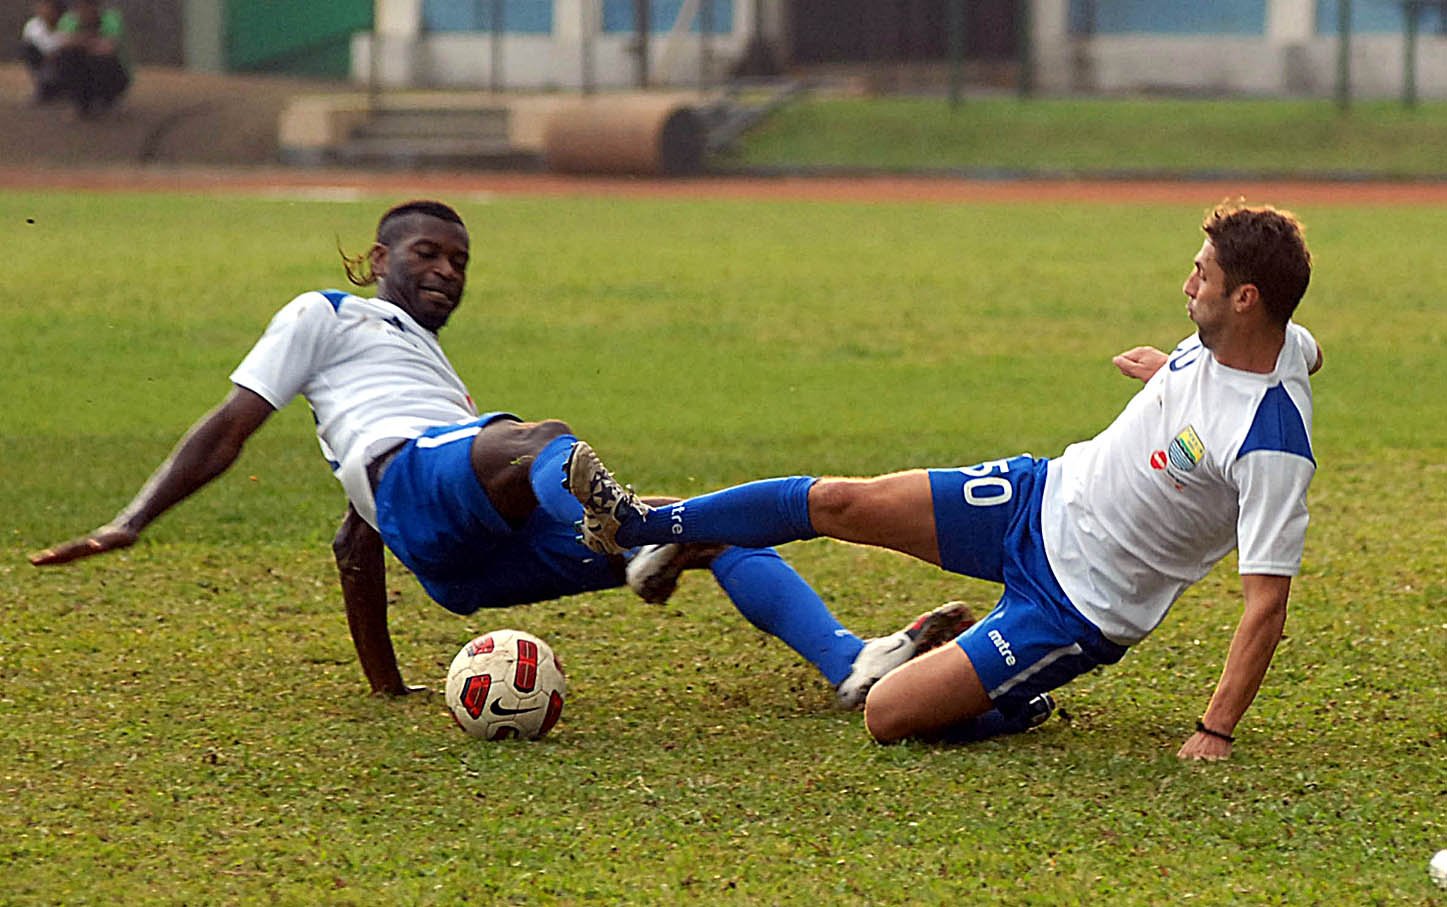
[885,653]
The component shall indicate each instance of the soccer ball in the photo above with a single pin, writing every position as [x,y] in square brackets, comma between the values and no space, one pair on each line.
[506,683]
[1438,868]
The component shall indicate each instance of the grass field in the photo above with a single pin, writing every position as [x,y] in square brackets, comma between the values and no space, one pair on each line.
[184,722]
[1103,136]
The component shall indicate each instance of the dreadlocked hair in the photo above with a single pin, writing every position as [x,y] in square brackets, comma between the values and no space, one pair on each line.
[359,267]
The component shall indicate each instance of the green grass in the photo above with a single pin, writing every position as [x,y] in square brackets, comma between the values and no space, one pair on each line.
[184,722]
[1102,137]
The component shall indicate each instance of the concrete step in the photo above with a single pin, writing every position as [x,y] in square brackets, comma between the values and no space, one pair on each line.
[420,152]
[416,122]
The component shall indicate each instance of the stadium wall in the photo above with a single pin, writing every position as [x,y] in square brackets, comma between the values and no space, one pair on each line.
[544,45]
[1267,48]
[1272,48]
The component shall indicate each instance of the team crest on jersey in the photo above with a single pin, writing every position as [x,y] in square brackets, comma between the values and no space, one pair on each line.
[1186,450]
[1181,457]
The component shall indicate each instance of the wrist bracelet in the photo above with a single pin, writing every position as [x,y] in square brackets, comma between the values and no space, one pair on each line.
[1201,727]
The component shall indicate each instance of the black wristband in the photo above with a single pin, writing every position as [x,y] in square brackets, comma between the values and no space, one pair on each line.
[1201,727]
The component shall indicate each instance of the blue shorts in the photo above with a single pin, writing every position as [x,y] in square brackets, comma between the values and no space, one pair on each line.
[987,522]
[435,517]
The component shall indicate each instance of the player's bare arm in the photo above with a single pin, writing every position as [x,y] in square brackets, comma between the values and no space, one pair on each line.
[1140,362]
[1252,648]
[207,450]
[361,566]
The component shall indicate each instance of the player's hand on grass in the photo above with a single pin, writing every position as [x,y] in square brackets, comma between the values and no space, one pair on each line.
[1205,748]
[1141,362]
[107,538]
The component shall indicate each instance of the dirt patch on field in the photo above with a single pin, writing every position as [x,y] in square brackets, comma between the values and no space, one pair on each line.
[344,184]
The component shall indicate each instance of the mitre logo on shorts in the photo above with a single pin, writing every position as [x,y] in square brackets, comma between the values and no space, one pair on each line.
[1002,646]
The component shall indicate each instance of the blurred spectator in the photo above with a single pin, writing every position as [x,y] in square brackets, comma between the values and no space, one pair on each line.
[40,40]
[92,64]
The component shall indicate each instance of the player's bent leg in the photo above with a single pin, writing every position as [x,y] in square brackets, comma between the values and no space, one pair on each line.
[507,455]
[772,596]
[758,514]
[892,511]
[925,696]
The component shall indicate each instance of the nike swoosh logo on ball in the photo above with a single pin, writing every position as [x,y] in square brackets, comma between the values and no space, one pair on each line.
[504,711]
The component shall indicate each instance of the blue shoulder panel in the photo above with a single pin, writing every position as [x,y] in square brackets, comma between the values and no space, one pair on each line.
[335,297]
[1278,426]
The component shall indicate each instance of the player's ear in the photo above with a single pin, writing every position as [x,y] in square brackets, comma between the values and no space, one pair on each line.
[1246,297]
[377,259]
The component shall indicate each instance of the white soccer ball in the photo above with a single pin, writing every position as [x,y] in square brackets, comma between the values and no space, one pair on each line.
[1438,868]
[506,683]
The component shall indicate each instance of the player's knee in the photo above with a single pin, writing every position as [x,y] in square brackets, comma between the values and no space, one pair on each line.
[549,429]
[504,444]
[836,502]
[881,721]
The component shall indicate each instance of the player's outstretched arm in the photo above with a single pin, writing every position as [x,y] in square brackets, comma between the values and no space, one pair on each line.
[1140,362]
[363,571]
[1250,654]
[207,450]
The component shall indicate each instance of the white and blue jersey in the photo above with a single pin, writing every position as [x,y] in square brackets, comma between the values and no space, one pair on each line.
[1095,546]
[1204,459]
[376,380]
[373,376]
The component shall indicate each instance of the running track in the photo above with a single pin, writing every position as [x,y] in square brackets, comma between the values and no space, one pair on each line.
[341,184]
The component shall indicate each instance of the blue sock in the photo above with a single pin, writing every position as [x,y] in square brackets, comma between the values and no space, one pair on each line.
[774,598]
[546,477]
[993,723]
[755,515]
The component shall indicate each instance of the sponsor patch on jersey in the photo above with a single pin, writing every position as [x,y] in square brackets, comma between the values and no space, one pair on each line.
[1186,450]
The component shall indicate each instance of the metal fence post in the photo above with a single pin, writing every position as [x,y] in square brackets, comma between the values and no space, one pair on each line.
[1411,9]
[641,16]
[1027,48]
[1343,54]
[585,48]
[495,76]
[957,50]
[705,45]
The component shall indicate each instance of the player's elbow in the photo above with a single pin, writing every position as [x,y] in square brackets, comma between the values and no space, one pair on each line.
[355,543]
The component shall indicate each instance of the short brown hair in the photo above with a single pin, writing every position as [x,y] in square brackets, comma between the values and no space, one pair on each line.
[1262,246]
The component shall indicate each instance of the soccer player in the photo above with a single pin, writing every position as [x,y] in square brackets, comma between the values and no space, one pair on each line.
[1094,546]
[471,503]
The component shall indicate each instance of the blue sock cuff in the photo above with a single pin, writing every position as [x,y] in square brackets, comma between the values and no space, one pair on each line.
[794,506]
[546,477]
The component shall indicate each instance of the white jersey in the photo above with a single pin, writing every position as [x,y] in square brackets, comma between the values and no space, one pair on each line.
[373,376]
[1204,459]
[41,36]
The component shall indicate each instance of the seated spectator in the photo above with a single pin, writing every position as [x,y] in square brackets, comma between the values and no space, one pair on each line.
[40,40]
[92,65]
